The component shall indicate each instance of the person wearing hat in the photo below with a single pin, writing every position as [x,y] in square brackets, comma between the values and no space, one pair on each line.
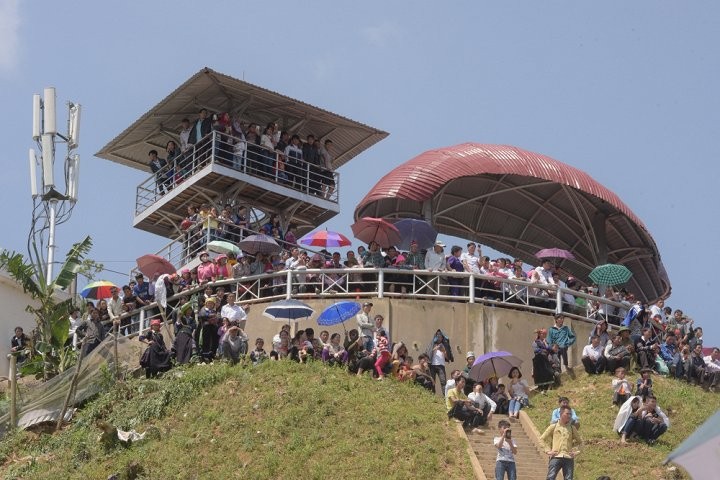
[156,357]
[434,262]
[222,269]
[206,270]
[470,383]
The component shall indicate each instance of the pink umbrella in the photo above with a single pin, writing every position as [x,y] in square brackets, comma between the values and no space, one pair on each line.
[554,253]
[369,229]
[151,265]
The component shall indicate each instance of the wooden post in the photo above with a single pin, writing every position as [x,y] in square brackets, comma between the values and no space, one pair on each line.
[13,390]
[73,385]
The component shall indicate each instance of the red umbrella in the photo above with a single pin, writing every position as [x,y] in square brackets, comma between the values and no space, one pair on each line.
[150,265]
[369,229]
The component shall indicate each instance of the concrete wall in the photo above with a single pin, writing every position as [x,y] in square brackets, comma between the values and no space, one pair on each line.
[471,327]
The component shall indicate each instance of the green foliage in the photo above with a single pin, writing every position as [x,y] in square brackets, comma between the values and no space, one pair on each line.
[591,396]
[51,315]
[276,420]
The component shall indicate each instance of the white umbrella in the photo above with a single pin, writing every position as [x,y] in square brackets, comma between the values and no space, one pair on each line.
[699,454]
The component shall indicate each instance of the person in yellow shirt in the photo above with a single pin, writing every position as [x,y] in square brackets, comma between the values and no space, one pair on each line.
[561,441]
[460,407]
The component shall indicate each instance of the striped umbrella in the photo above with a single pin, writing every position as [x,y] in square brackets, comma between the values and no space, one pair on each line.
[98,290]
[325,238]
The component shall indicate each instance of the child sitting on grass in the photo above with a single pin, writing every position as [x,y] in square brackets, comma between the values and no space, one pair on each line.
[644,384]
[621,387]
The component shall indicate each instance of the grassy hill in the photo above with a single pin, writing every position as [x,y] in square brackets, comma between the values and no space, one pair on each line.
[284,420]
[591,396]
[277,420]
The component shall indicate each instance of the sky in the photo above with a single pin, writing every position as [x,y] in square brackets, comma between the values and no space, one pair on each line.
[625,91]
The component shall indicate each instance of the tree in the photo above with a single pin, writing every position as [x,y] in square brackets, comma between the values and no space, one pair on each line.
[52,314]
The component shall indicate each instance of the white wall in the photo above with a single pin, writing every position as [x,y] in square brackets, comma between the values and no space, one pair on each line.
[12,314]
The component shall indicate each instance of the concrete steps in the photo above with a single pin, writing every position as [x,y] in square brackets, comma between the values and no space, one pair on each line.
[531,463]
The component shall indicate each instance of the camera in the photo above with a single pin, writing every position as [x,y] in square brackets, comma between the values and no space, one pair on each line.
[508,433]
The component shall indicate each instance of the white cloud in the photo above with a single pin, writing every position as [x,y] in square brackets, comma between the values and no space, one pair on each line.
[9,26]
[380,35]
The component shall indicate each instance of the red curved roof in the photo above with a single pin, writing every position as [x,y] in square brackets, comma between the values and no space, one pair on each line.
[518,202]
[419,178]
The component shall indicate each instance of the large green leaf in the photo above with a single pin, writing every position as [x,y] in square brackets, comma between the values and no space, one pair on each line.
[59,321]
[23,273]
[73,264]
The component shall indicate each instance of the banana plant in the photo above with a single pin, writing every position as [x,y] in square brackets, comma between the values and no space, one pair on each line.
[51,314]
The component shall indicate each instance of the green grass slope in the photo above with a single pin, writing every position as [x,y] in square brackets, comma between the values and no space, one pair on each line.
[278,420]
[602,454]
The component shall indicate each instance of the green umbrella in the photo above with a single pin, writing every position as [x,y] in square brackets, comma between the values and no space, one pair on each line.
[221,246]
[610,274]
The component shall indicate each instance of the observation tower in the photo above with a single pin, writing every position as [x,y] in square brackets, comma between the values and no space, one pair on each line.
[219,170]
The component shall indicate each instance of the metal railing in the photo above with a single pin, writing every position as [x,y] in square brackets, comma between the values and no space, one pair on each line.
[357,283]
[236,154]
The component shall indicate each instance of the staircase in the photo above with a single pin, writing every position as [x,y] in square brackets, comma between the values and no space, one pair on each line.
[530,461]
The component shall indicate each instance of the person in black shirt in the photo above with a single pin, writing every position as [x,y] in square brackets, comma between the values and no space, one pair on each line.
[19,343]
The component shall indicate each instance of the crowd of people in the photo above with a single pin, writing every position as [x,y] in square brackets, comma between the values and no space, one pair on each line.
[301,164]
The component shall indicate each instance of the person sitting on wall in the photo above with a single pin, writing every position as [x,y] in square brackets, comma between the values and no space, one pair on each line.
[19,343]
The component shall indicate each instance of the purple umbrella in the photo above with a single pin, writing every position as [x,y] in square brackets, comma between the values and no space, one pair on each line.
[419,231]
[498,364]
[554,253]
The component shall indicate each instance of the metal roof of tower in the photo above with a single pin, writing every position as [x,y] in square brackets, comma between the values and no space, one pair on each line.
[221,93]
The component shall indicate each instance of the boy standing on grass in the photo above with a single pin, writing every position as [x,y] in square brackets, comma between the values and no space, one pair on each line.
[506,451]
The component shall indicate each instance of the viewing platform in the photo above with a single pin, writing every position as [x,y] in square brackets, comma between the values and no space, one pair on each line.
[210,172]
[223,167]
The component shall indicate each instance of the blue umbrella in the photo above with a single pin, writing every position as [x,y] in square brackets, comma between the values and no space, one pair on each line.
[493,363]
[338,313]
[288,310]
[418,230]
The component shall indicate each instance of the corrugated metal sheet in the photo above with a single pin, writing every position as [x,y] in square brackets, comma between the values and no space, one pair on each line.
[221,93]
[518,201]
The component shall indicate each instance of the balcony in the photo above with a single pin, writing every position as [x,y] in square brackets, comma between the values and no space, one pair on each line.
[216,171]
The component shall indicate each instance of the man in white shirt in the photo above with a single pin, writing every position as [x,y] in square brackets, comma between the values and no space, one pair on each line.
[434,262]
[593,357]
[233,312]
[75,321]
[657,309]
[365,326]
[184,134]
[482,402]
[115,304]
[712,368]
[470,261]
[546,273]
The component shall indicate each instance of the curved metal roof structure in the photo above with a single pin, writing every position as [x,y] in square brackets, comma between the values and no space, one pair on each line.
[519,202]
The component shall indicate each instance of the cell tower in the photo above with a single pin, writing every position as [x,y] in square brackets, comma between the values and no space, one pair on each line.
[50,207]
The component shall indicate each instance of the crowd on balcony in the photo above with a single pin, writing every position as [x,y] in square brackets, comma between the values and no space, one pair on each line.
[303,164]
